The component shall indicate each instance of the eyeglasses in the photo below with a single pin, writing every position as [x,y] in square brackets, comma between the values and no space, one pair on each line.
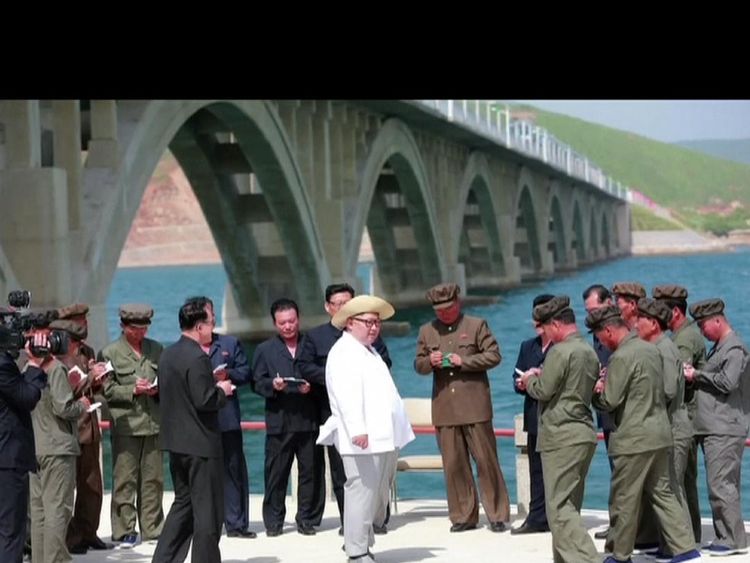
[369,323]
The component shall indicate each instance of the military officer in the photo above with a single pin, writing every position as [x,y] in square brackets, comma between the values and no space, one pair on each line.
[567,438]
[136,456]
[458,350]
[639,447]
[722,393]
[692,348]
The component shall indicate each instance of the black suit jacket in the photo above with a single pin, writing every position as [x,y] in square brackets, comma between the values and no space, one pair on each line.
[19,394]
[603,419]
[189,401]
[529,356]
[312,360]
[287,410]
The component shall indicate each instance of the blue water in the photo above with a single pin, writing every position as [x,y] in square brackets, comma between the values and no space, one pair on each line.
[722,275]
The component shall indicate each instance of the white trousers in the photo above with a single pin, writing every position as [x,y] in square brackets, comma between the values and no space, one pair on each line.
[366,492]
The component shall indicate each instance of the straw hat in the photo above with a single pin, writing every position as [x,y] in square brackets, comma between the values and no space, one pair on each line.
[362,304]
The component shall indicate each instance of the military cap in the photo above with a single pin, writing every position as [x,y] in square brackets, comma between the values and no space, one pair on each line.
[707,308]
[443,294]
[136,314]
[75,310]
[74,329]
[655,309]
[552,308]
[669,292]
[600,317]
[629,289]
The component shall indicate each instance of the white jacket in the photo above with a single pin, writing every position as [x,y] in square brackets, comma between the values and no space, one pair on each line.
[364,400]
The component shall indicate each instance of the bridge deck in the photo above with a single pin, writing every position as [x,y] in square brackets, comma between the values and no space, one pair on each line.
[419,532]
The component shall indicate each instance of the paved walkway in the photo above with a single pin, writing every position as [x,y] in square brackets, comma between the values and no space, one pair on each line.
[419,532]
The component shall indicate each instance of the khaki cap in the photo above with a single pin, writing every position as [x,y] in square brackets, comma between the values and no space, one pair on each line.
[599,318]
[137,314]
[629,289]
[707,308]
[443,294]
[669,292]
[552,308]
[75,310]
[655,309]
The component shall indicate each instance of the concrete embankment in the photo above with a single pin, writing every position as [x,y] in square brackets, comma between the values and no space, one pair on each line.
[677,242]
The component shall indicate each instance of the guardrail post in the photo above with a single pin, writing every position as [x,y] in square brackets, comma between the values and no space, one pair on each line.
[523,484]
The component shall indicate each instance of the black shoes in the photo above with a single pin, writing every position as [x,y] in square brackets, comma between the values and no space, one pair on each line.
[99,544]
[79,549]
[273,532]
[498,526]
[602,535]
[379,530]
[249,534]
[306,529]
[526,529]
[462,527]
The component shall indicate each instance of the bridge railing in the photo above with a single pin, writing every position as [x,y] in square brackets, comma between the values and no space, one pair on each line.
[495,122]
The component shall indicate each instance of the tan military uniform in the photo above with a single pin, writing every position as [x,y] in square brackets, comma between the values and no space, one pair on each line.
[136,453]
[462,415]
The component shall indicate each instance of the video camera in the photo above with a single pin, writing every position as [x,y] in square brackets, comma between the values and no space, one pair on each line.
[17,320]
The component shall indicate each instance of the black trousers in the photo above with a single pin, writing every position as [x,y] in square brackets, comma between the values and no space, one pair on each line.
[197,511]
[236,510]
[537,517]
[14,505]
[338,478]
[281,449]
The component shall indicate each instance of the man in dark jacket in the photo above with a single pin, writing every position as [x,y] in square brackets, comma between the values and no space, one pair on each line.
[190,400]
[312,366]
[19,394]
[291,421]
[229,362]
[531,355]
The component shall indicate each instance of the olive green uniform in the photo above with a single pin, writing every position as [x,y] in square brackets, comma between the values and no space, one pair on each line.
[634,393]
[692,348]
[55,421]
[567,441]
[136,454]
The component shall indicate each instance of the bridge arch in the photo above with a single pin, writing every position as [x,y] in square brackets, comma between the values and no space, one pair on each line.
[479,246]
[606,241]
[526,247]
[217,144]
[579,238]
[395,203]
[557,243]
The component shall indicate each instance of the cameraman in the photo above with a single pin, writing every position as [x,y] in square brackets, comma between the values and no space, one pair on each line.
[19,394]
[56,437]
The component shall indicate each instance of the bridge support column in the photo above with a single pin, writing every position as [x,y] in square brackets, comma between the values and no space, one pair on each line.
[103,146]
[66,117]
[34,233]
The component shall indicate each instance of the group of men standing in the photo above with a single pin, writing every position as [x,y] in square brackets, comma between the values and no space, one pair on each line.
[664,397]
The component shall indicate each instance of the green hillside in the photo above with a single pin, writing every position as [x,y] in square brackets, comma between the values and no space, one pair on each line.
[675,177]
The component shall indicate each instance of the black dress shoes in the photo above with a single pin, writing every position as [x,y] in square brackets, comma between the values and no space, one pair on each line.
[462,527]
[498,526]
[526,529]
[79,549]
[602,535]
[306,529]
[249,534]
[99,544]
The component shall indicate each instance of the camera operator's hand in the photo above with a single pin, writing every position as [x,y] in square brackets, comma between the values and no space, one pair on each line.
[39,340]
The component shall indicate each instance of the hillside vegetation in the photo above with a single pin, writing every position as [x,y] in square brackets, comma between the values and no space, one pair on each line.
[696,186]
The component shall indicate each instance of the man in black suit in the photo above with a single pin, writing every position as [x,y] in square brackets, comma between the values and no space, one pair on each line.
[291,421]
[531,355]
[190,400]
[19,394]
[312,366]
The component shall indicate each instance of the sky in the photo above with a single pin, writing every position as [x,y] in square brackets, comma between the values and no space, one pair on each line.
[663,120]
